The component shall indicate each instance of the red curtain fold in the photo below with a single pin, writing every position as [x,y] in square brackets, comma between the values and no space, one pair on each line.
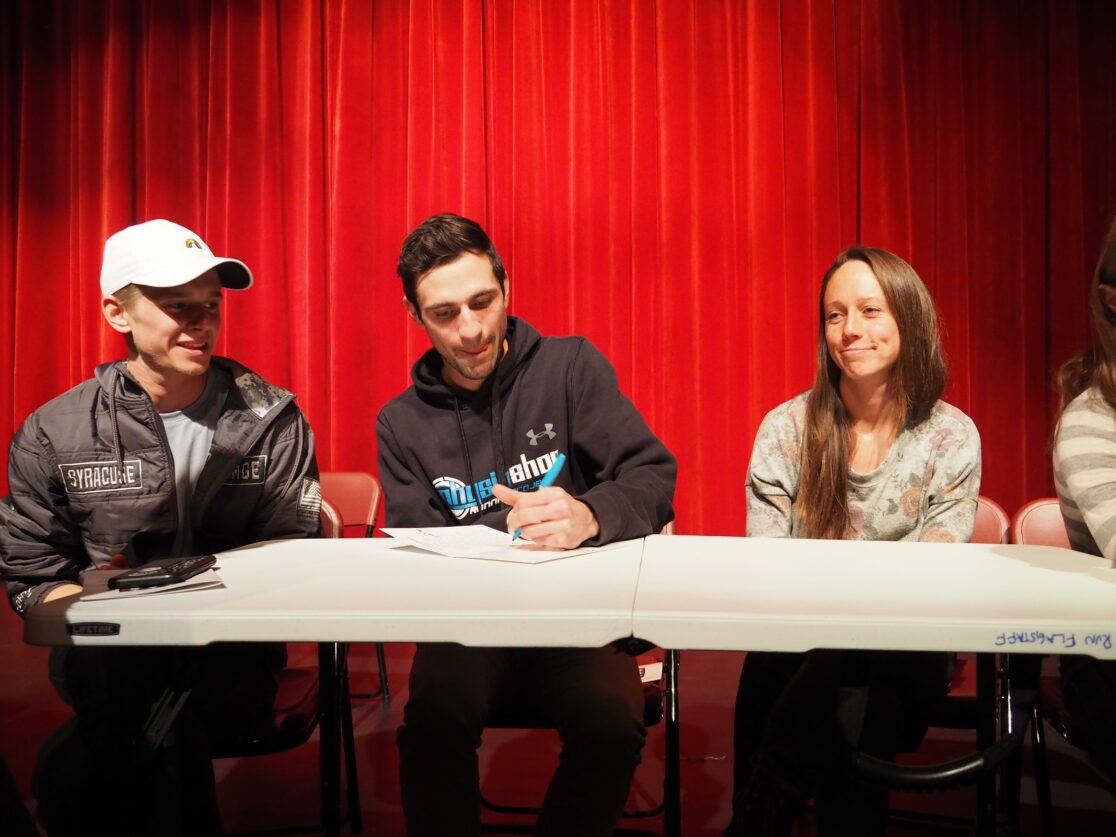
[667,178]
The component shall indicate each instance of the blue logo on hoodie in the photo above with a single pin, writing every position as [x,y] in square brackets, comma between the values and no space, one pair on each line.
[464,500]
[461,499]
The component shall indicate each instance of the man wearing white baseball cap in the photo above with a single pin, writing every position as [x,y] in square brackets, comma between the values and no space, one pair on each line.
[168,453]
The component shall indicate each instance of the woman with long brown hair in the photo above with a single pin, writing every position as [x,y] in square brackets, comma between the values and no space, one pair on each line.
[1085,477]
[870,452]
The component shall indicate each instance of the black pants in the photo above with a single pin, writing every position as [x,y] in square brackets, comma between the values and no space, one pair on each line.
[17,822]
[1089,692]
[797,718]
[97,774]
[592,696]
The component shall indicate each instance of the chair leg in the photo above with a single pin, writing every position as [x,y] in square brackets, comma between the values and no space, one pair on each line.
[1042,776]
[383,691]
[382,663]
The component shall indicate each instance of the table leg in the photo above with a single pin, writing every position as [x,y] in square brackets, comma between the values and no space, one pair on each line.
[672,814]
[986,737]
[329,696]
[1019,693]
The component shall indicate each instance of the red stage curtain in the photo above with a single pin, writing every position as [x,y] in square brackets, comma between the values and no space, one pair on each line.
[668,178]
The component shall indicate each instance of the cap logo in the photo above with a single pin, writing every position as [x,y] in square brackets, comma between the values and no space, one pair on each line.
[192,242]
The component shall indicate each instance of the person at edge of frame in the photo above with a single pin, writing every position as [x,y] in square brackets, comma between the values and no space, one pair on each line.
[170,452]
[1085,478]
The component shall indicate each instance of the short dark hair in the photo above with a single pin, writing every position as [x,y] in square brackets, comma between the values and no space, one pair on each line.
[439,240]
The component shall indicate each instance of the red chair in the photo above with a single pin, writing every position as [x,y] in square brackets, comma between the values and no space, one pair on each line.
[660,697]
[357,496]
[992,523]
[333,525]
[1040,523]
[969,705]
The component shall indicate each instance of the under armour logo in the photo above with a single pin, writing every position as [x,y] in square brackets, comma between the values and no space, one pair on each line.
[548,432]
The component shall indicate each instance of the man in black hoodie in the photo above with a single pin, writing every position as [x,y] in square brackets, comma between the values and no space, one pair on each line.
[493,403]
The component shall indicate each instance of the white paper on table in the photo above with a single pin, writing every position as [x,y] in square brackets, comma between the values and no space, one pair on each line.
[95,586]
[482,542]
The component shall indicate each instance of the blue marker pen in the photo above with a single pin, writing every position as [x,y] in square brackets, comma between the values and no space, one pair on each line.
[548,479]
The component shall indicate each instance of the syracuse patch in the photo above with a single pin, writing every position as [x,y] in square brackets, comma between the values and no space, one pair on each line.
[96,477]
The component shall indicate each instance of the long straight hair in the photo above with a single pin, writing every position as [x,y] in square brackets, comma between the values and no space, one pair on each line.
[1096,366]
[916,383]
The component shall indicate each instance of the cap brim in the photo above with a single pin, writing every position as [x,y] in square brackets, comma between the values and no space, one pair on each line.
[234,274]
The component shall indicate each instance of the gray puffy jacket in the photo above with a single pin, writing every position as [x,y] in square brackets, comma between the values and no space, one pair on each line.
[91,475]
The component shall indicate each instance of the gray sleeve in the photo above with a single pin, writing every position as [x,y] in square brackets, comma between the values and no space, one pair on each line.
[955,484]
[772,481]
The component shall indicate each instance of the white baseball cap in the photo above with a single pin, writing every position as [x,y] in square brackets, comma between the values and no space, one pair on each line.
[162,254]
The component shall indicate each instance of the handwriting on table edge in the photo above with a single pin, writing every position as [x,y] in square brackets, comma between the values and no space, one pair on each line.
[1061,639]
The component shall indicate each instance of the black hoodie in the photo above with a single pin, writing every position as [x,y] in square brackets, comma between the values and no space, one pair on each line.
[441,448]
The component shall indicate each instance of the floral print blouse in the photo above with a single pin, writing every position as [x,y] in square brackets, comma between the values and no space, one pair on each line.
[925,489]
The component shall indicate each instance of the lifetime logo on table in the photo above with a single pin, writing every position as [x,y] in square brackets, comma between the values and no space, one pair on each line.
[93,629]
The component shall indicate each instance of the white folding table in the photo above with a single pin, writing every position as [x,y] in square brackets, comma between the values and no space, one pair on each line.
[359,590]
[768,594]
[779,594]
[678,592]
[339,590]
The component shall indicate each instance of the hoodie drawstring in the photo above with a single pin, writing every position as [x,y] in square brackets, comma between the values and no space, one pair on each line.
[498,432]
[497,439]
[464,443]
